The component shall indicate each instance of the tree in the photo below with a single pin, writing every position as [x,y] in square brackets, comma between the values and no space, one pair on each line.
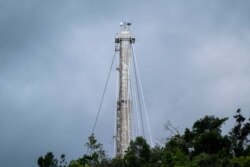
[167,159]
[62,162]
[239,135]
[117,162]
[176,152]
[96,151]
[95,155]
[202,145]
[75,163]
[206,160]
[156,156]
[243,161]
[47,161]
[205,136]
[138,153]
[209,142]
[177,142]
[207,124]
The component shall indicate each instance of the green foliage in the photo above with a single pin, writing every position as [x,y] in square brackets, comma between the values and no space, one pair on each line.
[212,160]
[138,153]
[95,148]
[167,159]
[156,156]
[206,136]
[177,142]
[201,146]
[62,162]
[118,162]
[75,163]
[96,154]
[242,161]
[208,142]
[176,158]
[92,143]
[239,135]
[48,160]
[207,124]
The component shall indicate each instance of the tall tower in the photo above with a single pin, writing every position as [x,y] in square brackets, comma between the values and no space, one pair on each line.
[123,42]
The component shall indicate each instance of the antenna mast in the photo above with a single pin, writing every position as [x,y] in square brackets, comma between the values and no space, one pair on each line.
[123,42]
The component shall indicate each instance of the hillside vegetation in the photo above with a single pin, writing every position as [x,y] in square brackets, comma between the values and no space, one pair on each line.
[203,145]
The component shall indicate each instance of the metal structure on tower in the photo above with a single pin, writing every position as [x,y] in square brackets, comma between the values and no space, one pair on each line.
[124,41]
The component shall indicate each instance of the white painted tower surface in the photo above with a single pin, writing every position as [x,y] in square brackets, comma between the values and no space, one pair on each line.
[123,42]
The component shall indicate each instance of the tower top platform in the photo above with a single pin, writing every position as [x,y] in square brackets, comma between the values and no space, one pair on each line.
[125,34]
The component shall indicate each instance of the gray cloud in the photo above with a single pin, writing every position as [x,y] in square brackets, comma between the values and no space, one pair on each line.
[54,58]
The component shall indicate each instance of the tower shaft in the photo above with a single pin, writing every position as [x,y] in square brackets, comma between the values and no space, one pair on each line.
[123,41]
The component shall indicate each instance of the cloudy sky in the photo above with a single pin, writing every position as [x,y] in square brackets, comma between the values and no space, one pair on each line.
[194,60]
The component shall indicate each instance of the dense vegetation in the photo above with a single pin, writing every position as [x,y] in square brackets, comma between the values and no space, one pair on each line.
[203,145]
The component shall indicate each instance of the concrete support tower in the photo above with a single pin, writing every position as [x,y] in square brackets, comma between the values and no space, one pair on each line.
[123,42]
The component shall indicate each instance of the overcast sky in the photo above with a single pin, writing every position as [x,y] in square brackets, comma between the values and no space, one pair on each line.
[194,60]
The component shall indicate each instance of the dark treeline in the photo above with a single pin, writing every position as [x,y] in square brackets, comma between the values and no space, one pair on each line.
[203,145]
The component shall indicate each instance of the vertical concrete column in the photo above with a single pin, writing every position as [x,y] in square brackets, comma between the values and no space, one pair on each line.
[123,125]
